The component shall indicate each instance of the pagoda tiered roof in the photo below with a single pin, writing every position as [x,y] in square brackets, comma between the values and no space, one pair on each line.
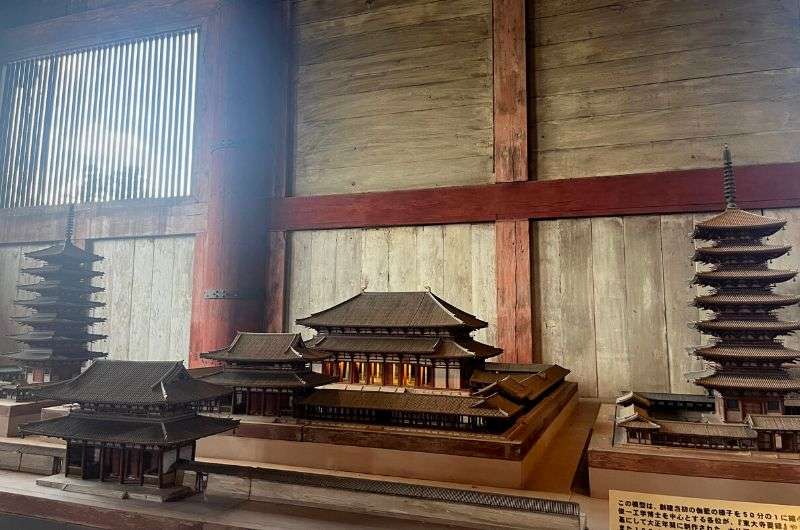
[747,358]
[59,323]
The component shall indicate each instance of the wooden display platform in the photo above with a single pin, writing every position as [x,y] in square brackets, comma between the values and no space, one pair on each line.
[507,461]
[705,473]
[15,413]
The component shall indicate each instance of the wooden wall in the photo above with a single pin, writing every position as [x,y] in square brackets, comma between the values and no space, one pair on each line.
[454,261]
[638,86]
[148,294]
[391,95]
[12,259]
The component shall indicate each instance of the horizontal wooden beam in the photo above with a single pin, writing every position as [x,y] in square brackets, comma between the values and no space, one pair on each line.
[697,190]
[133,218]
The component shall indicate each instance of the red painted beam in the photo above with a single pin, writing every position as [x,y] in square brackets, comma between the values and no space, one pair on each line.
[697,190]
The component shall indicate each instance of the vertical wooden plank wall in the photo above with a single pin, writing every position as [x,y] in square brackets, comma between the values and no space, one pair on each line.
[392,95]
[148,284]
[642,86]
[455,261]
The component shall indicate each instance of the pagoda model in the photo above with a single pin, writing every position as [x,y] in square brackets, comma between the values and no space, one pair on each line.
[134,420]
[750,376]
[750,370]
[406,339]
[57,345]
[267,373]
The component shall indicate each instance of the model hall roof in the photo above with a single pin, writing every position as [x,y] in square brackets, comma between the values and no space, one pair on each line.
[265,347]
[107,429]
[494,406]
[250,378]
[429,347]
[421,309]
[134,383]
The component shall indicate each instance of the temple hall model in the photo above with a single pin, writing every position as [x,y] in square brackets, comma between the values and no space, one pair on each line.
[405,359]
[751,372]
[133,421]
[268,373]
[56,345]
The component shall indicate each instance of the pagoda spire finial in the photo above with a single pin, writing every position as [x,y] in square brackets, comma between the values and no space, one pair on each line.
[70,229]
[728,179]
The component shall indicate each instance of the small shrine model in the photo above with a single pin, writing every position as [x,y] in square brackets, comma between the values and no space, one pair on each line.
[268,373]
[750,371]
[57,344]
[134,420]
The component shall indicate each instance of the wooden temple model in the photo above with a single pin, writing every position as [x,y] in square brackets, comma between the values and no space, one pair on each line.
[388,371]
[750,371]
[132,423]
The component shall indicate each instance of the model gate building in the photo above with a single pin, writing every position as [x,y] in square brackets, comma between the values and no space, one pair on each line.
[268,373]
[133,421]
[751,371]
[56,346]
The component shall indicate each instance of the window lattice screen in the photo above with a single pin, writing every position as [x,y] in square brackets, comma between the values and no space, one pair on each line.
[101,124]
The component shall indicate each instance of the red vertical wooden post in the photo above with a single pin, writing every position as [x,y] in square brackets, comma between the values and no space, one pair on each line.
[514,313]
[240,92]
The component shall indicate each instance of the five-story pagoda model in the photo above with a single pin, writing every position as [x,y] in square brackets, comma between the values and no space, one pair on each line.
[749,370]
[750,375]
[56,345]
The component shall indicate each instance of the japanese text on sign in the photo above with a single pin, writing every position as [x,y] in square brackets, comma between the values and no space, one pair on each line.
[642,511]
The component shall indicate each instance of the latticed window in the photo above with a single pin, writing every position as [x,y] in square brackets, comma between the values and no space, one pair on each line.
[100,124]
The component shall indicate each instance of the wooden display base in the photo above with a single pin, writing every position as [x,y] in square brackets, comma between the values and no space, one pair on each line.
[115,490]
[16,413]
[507,461]
[706,473]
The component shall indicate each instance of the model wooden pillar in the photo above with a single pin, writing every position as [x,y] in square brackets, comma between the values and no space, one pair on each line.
[241,80]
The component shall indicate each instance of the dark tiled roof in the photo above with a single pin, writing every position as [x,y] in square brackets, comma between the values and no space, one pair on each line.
[690,428]
[60,271]
[429,347]
[56,320]
[736,219]
[46,354]
[733,351]
[778,380]
[116,430]
[265,347]
[762,251]
[376,344]
[54,286]
[748,325]
[522,368]
[133,382]
[771,276]
[414,402]
[529,387]
[49,336]
[774,423]
[393,310]
[63,251]
[255,378]
[764,299]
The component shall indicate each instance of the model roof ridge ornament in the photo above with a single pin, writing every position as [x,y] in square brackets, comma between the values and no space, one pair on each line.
[728,179]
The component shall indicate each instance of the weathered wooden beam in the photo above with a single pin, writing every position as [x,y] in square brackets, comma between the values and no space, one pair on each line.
[512,255]
[685,191]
